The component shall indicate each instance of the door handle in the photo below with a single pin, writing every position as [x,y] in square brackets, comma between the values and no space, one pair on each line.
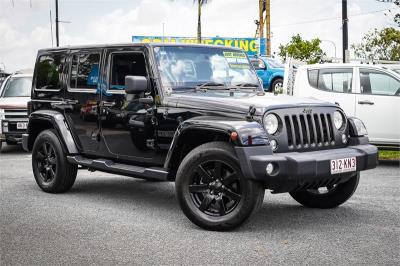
[366,102]
[107,104]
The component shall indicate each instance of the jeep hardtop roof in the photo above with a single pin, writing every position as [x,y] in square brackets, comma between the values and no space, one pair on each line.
[88,46]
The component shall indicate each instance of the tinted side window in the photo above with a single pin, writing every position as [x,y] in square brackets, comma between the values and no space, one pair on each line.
[49,70]
[84,70]
[379,83]
[338,80]
[126,64]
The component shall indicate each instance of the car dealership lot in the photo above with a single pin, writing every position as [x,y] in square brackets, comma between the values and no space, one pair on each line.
[108,219]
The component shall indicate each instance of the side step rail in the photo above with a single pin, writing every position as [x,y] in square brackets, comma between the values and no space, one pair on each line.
[109,166]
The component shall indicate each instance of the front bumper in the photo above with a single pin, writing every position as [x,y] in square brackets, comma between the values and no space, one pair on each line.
[302,170]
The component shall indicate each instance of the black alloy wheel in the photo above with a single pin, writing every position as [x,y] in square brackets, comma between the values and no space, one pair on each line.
[53,173]
[215,188]
[211,189]
[46,162]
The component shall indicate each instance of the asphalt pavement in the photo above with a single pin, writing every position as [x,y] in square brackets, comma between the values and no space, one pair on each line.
[107,219]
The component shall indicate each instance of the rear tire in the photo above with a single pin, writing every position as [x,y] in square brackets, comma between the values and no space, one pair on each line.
[333,197]
[212,191]
[53,173]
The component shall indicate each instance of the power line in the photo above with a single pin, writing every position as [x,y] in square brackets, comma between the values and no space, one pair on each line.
[332,18]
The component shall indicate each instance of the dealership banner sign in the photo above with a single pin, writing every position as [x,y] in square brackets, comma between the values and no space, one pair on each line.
[250,45]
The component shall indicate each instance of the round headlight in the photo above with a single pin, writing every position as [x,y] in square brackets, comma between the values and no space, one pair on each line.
[338,120]
[271,123]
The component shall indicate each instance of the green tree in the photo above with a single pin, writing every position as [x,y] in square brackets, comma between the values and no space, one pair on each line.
[304,50]
[379,45]
[397,16]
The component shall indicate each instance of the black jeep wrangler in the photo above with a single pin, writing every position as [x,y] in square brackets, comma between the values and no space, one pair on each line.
[193,114]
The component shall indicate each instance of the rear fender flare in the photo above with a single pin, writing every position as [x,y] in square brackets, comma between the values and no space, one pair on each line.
[59,123]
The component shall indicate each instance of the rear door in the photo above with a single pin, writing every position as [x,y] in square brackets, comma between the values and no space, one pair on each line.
[378,105]
[334,85]
[82,97]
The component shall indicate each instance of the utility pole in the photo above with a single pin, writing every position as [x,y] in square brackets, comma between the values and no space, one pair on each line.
[345,33]
[268,25]
[57,38]
[261,8]
[200,2]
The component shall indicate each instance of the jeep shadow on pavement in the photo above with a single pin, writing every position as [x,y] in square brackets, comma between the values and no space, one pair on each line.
[193,114]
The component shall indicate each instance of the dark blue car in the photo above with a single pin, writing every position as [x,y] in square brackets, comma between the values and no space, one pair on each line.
[270,71]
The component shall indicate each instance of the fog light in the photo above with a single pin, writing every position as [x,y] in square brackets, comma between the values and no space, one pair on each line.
[5,127]
[269,168]
[344,138]
[274,144]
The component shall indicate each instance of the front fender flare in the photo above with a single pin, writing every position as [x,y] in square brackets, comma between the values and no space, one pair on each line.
[246,130]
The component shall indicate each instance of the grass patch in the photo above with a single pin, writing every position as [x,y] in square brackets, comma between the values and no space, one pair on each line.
[389,155]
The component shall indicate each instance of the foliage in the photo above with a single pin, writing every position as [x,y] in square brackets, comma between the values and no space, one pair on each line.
[389,155]
[304,50]
[379,45]
[397,16]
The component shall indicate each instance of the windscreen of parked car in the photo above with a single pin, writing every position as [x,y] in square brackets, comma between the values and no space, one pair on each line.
[18,87]
[274,63]
[183,67]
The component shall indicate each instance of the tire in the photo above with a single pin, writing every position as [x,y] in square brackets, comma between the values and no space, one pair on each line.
[277,84]
[213,199]
[51,169]
[1,146]
[333,197]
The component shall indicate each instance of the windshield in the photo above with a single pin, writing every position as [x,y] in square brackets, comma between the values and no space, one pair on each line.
[18,87]
[272,62]
[184,67]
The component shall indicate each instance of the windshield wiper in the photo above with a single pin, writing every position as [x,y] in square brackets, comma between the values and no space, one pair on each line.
[209,85]
[245,85]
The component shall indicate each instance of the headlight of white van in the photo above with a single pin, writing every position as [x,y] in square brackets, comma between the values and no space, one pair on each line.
[271,123]
[358,127]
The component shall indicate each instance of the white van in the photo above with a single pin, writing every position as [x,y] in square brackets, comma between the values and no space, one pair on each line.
[371,93]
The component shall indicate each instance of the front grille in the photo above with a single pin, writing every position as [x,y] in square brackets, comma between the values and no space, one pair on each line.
[309,130]
[15,113]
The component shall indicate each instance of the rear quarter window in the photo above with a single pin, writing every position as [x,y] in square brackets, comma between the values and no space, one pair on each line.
[49,69]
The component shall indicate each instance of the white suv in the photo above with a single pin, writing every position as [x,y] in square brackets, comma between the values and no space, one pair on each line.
[371,93]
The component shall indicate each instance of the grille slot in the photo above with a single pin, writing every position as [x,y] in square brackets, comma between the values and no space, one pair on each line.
[304,131]
[15,113]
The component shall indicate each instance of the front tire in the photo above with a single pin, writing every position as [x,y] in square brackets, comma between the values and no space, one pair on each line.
[53,173]
[277,85]
[212,191]
[329,197]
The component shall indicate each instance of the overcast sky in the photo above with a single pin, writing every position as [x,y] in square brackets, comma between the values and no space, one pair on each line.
[25,27]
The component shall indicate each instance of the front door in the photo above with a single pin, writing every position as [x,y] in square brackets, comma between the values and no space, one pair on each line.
[128,126]
[82,99]
[378,105]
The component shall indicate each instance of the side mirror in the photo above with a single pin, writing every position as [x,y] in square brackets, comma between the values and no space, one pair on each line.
[258,64]
[135,84]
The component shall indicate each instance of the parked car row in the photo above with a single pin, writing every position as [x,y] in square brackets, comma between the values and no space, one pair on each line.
[15,92]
